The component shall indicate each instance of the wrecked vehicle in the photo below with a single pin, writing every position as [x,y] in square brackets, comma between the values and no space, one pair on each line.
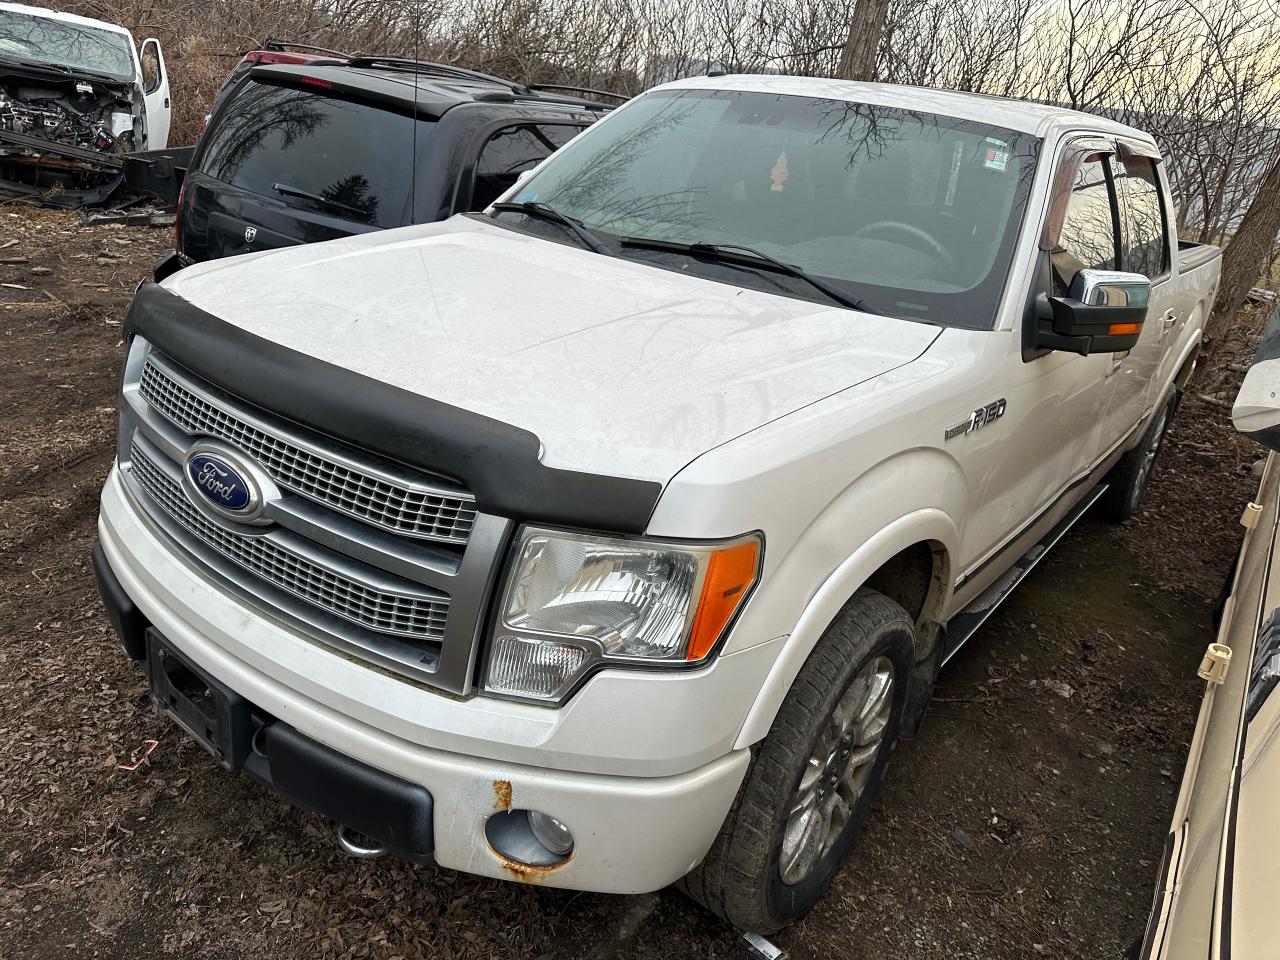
[76,95]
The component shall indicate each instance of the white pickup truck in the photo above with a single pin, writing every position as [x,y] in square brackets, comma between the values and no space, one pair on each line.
[614,536]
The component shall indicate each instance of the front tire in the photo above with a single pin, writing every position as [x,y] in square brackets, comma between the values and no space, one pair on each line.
[813,778]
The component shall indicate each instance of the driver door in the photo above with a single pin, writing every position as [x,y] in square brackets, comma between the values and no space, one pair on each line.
[1056,401]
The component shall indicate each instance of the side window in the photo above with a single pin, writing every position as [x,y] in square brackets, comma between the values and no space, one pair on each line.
[510,152]
[150,68]
[1088,238]
[1144,240]
[558,134]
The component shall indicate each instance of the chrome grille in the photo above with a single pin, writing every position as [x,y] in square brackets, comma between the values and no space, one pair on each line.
[377,609]
[361,493]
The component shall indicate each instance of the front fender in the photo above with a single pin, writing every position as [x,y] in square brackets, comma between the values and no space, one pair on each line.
[929,524]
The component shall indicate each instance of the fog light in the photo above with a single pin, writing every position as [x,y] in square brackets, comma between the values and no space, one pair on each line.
[530,838]
[551,833]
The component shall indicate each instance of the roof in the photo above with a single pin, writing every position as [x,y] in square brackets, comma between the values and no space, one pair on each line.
[1023,116]
[436,91]
[63,17]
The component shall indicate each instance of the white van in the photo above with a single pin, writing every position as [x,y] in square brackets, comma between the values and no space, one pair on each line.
[75,94]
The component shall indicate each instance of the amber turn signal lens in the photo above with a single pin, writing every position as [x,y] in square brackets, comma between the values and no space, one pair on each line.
[1124,329]
[730,575]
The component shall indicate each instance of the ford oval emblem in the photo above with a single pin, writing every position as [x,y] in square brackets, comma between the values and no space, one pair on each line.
[221,484]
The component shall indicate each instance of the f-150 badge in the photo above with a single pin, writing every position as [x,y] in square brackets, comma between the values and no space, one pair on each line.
[978,419]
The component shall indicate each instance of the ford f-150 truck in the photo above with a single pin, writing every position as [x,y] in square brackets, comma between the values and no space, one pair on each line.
[613,536]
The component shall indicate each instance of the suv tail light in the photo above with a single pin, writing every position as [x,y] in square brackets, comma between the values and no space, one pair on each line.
[177,216]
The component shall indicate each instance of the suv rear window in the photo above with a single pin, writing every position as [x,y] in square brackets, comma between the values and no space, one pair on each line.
[342,157]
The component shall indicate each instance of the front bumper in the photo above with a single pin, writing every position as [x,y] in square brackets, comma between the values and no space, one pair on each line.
[633,833]
[391,811]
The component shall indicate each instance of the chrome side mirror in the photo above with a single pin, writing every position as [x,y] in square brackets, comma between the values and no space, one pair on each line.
[1102,313]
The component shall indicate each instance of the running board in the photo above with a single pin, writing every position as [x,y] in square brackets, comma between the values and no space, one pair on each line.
[965,624]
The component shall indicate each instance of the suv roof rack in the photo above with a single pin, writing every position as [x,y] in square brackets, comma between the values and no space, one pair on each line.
[509,89]
[280,46]
[442,69]
[572,89]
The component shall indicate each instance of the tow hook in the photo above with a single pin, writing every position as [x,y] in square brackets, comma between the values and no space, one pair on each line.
[353,848]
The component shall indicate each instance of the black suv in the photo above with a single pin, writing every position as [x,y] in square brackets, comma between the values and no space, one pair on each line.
[296,153]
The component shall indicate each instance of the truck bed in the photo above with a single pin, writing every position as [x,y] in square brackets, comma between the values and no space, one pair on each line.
[1192,254]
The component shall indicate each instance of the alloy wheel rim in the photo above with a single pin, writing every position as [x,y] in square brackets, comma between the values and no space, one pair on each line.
[836,773]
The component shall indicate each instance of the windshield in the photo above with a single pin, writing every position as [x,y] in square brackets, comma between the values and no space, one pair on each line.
[914,212]
[71,45]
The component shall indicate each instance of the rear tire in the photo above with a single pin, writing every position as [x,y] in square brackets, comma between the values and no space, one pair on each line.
[797,814]
[1128,480]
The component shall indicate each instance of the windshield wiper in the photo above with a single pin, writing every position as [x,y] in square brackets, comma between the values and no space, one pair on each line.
[532,208]
[736,253]
[289,191]
[36,64]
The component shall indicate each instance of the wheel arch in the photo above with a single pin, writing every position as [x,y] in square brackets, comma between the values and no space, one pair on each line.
[909,560]
[1186,367]
[1190,351]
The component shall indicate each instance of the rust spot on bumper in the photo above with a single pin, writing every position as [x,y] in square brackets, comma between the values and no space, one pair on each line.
[502,794]
[528,873]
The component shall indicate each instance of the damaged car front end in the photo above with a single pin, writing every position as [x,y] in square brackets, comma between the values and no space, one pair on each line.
[62,136]
[72,104]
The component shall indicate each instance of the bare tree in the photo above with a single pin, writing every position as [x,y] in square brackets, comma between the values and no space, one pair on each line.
[862,46]
[1248,252]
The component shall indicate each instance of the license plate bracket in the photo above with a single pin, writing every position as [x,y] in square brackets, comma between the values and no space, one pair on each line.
[215,716]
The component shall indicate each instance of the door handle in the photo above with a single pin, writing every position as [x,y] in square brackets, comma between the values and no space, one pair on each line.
[1170,320]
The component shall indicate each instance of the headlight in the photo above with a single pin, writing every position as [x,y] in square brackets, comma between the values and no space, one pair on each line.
[573,602]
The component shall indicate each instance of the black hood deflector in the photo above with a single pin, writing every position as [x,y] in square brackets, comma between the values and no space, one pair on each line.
[496,461]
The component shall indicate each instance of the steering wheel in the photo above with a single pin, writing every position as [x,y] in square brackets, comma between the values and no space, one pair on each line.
[919,239]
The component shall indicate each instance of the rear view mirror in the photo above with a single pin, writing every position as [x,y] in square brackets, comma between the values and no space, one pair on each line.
[1256,413]
[1102,313]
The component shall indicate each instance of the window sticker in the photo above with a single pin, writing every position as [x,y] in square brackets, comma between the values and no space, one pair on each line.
[957,158]
[780,173]
[997,154]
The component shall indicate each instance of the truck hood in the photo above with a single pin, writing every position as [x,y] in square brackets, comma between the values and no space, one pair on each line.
[618,367]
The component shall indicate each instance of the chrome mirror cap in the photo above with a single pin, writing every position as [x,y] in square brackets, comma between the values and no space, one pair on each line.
[1111,288]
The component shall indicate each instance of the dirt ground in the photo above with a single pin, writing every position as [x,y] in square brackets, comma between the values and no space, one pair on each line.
[1025,820]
